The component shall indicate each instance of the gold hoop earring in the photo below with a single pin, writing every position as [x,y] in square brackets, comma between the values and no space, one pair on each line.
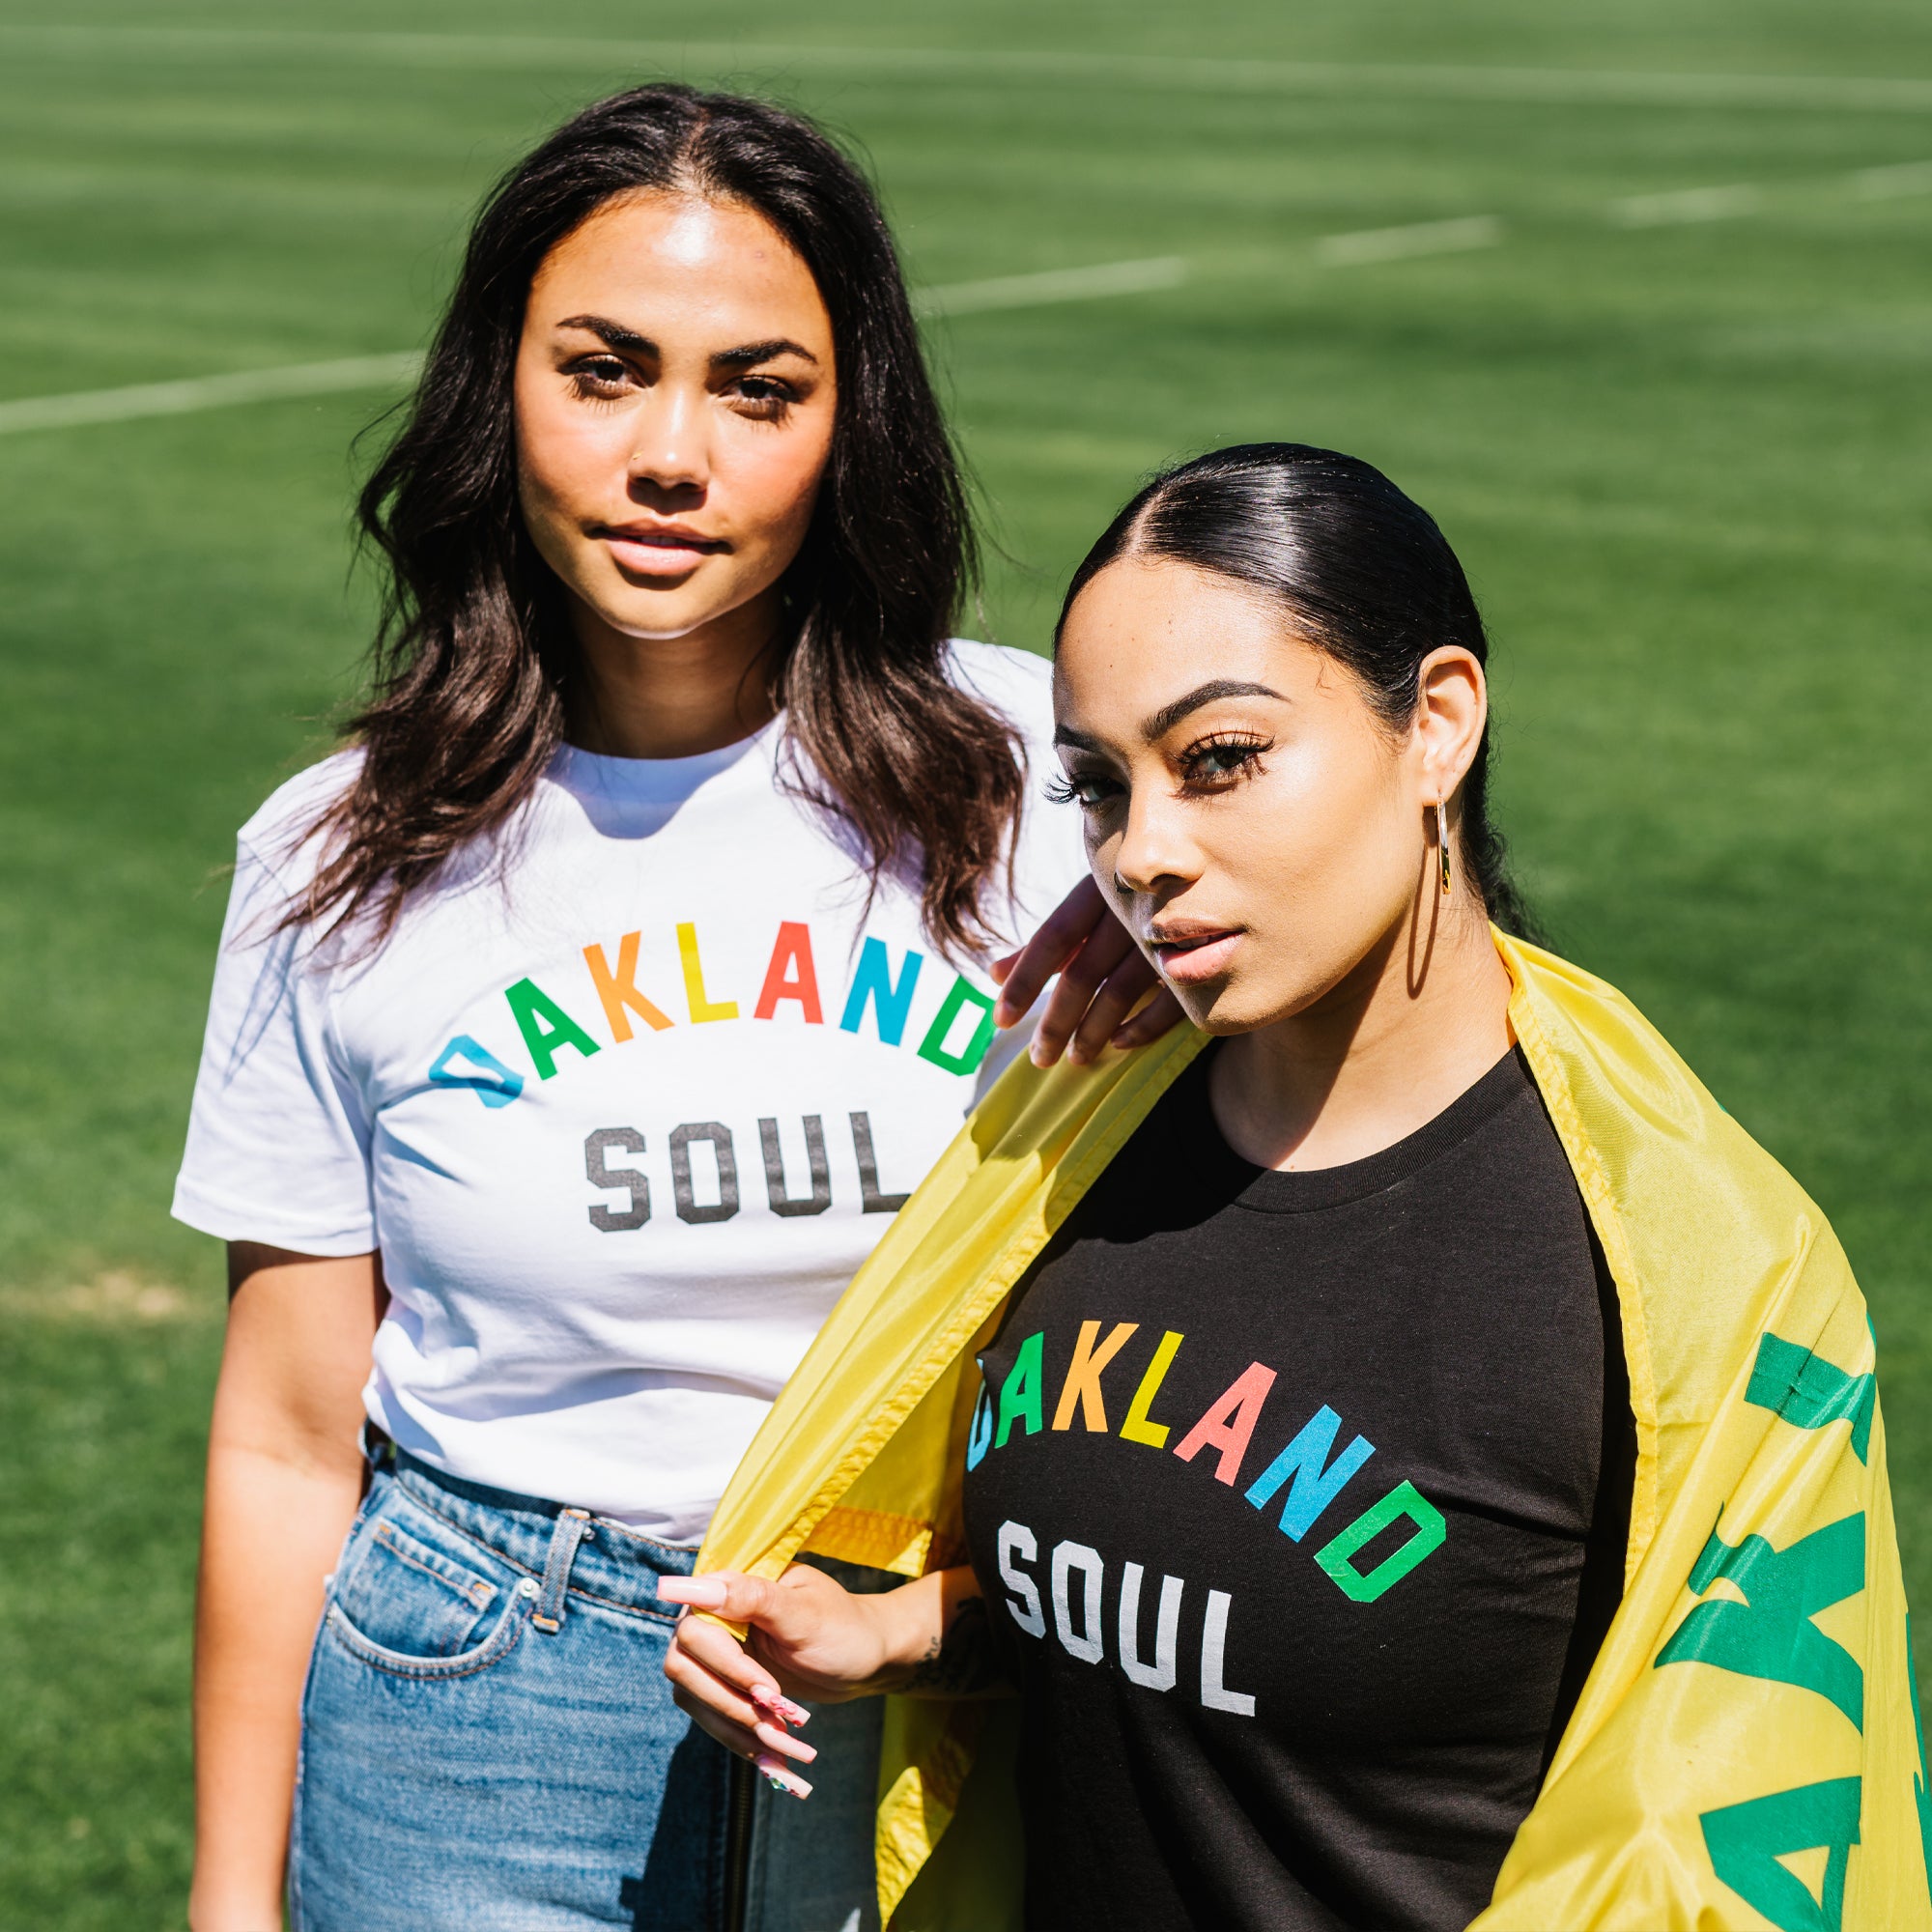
[1442,844]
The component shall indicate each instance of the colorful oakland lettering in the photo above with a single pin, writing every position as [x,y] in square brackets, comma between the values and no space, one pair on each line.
[1305,1467]
[549,1029]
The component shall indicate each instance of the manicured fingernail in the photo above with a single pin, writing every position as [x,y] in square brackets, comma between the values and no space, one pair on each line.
[701,1593]
[780,1778]
[785,1744]
[780,1706]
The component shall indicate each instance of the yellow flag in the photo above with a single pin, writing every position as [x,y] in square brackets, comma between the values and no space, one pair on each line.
[1745,1752]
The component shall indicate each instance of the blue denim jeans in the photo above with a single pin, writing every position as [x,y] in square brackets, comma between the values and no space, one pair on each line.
[489,1742]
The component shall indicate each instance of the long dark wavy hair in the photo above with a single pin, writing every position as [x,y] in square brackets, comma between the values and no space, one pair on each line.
[1362,572]
[474,657]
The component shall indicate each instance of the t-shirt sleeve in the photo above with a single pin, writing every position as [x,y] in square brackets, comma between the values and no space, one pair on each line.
[277,1139]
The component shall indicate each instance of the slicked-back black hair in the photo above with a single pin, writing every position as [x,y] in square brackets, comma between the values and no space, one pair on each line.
[1362,571]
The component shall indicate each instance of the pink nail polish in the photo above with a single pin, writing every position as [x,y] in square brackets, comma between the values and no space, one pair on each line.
[785,1745]
[697,1593]
[780,1778]
[780,1707]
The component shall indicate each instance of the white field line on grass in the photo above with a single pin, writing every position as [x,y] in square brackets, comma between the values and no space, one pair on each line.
[1881,184]
[1417,238]
[1853,92]
[1361,249]
[1053,285]
[1676,206]
[383,372]
[1686,204]
[209,392]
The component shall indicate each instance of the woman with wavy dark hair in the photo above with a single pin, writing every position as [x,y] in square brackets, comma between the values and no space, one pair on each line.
[577,1030]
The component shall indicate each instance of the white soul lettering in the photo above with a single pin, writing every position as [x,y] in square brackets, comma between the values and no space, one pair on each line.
[1016,1537]
[1079,1623]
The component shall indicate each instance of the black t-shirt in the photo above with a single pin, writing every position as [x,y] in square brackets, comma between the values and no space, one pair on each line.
[1284,1490]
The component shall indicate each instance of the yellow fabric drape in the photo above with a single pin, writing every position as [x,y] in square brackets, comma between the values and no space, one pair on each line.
[1745,1753]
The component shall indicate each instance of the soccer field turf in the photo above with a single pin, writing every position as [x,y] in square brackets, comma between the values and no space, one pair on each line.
[1655,352]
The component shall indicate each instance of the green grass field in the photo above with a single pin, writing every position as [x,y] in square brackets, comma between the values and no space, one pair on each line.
[1681,458]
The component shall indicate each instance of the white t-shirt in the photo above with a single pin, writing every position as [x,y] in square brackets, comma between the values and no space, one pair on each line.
[622,1110]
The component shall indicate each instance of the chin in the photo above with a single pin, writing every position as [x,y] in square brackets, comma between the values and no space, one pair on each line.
[661,610]
[1225,1007]
[1215,1007]
[654,614]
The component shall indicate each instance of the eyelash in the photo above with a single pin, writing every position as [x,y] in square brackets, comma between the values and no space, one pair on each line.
[773,404]
[590,383]
[1246,764]
[1069,789]
[1066,790]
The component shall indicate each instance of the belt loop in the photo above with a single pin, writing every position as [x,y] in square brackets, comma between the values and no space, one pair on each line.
[573,1525]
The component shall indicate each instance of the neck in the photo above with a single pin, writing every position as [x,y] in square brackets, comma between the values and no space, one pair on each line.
[672,697]
[1416,1024]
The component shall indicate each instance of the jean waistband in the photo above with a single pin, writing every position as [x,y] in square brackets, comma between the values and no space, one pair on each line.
[557,1546]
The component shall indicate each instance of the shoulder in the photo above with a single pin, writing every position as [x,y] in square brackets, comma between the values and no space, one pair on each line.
[279,835]
[1015,683]
[277,851]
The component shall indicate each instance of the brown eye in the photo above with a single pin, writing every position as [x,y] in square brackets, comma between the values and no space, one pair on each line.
[1217,762]
[599,377]
[764,397]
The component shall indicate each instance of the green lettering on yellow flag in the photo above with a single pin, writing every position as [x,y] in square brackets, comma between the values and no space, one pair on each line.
[1808,1392]
[1771,1634]
[1747,1842]
[1920,1777]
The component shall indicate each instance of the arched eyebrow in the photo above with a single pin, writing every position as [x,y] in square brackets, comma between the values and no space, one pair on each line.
[754,353]
[615,333]
[1163,720]
[616,336]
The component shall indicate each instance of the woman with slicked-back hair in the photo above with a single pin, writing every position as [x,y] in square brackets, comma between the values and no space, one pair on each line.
[1317,1419]
[577,1031]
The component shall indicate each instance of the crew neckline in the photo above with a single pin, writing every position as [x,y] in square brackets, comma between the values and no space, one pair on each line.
[1267,1190]
[651,781]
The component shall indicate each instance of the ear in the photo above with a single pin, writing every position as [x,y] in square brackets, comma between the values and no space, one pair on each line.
[1452,707]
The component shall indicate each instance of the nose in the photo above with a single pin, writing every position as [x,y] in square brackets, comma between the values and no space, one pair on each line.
[670,451]
[1155,848]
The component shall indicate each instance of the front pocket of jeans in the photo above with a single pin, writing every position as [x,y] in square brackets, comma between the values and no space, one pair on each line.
[496,1645]
[404,1601]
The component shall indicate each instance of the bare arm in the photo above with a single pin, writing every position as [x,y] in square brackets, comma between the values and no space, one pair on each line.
[284,1481]
[812,1637]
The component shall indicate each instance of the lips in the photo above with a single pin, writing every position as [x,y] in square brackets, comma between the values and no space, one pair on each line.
[1190,954]
[657,550]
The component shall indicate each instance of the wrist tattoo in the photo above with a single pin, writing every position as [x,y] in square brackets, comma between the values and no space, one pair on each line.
[961,1663]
